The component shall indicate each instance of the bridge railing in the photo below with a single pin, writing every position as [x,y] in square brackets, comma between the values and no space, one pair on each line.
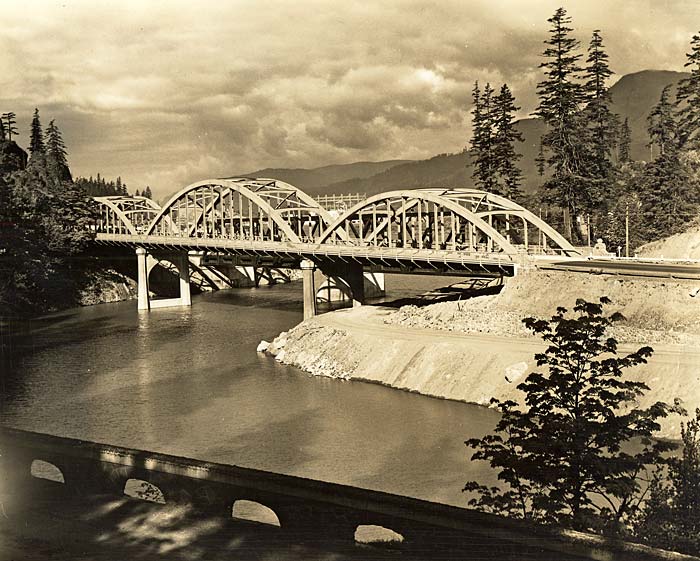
[318,510]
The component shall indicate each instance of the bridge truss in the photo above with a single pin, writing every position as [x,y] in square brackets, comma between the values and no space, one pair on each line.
[445,219]
[268,212]
[119,214]
[269,223]
[265,210]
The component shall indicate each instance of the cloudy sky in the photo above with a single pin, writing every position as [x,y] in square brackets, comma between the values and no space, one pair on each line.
[166,92]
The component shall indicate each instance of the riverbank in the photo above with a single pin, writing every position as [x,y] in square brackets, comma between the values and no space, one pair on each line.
[81,286]
[474,350]
[107,286]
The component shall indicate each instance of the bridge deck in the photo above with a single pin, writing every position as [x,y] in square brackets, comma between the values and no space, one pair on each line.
[371,256]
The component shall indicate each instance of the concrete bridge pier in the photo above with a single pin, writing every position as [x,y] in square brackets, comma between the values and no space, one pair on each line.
[307,268]
[143,298]
[146,263]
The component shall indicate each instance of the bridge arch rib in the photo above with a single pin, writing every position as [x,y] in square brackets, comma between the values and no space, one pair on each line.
[241,208]
[448,219]
[491,206]
[418,218]
[124,214]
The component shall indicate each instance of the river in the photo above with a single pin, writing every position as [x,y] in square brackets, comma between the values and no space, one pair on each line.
[188,381]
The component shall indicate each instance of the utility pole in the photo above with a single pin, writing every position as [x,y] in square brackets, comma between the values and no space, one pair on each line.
[588,229]
[627,230]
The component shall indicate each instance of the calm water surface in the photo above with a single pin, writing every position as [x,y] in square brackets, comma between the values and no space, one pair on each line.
[189,382]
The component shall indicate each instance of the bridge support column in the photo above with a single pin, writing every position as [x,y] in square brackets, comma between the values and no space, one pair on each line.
[146,262]
[143,299]
[183,266]
[307,268]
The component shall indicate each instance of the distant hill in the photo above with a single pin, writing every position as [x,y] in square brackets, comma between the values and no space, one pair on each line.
[633,97]
[314,180]
[444,170]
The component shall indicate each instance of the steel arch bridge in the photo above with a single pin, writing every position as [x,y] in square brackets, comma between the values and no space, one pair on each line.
[269,223]
[234,211]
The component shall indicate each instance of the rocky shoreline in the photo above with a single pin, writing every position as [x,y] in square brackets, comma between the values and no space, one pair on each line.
[475,350]
[108,286]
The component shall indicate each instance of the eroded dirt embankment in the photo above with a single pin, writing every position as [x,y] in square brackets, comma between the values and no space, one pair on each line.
[684,245]
[475,350]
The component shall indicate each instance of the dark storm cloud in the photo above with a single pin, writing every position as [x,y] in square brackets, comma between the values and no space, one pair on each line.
[164,93]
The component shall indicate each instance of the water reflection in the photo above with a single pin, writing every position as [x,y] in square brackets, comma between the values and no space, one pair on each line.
[188,381]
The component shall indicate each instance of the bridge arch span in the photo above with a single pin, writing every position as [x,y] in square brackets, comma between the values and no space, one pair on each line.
[449,219]
[124,214]
[420,218]
[241,208]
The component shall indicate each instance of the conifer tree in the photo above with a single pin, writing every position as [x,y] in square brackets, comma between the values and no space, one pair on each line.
[2,131]
[602,122]
[505,136]
[482,145]
[625,142]
[688,99]
[561,97]
[671,517]
[36,140]
[56,153]
[137,194]
[147,193]
[662,127]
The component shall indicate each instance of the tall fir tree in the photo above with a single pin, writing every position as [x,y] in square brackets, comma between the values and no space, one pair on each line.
[624,142]
[669,187]
[602,122]
[56,153]
[669,196]
[688,99]
[482,144]
[147,193]
[36,136]
[505,137]
[662,123]
[561,97]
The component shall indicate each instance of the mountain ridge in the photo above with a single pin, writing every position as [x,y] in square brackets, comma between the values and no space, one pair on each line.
[633,96]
